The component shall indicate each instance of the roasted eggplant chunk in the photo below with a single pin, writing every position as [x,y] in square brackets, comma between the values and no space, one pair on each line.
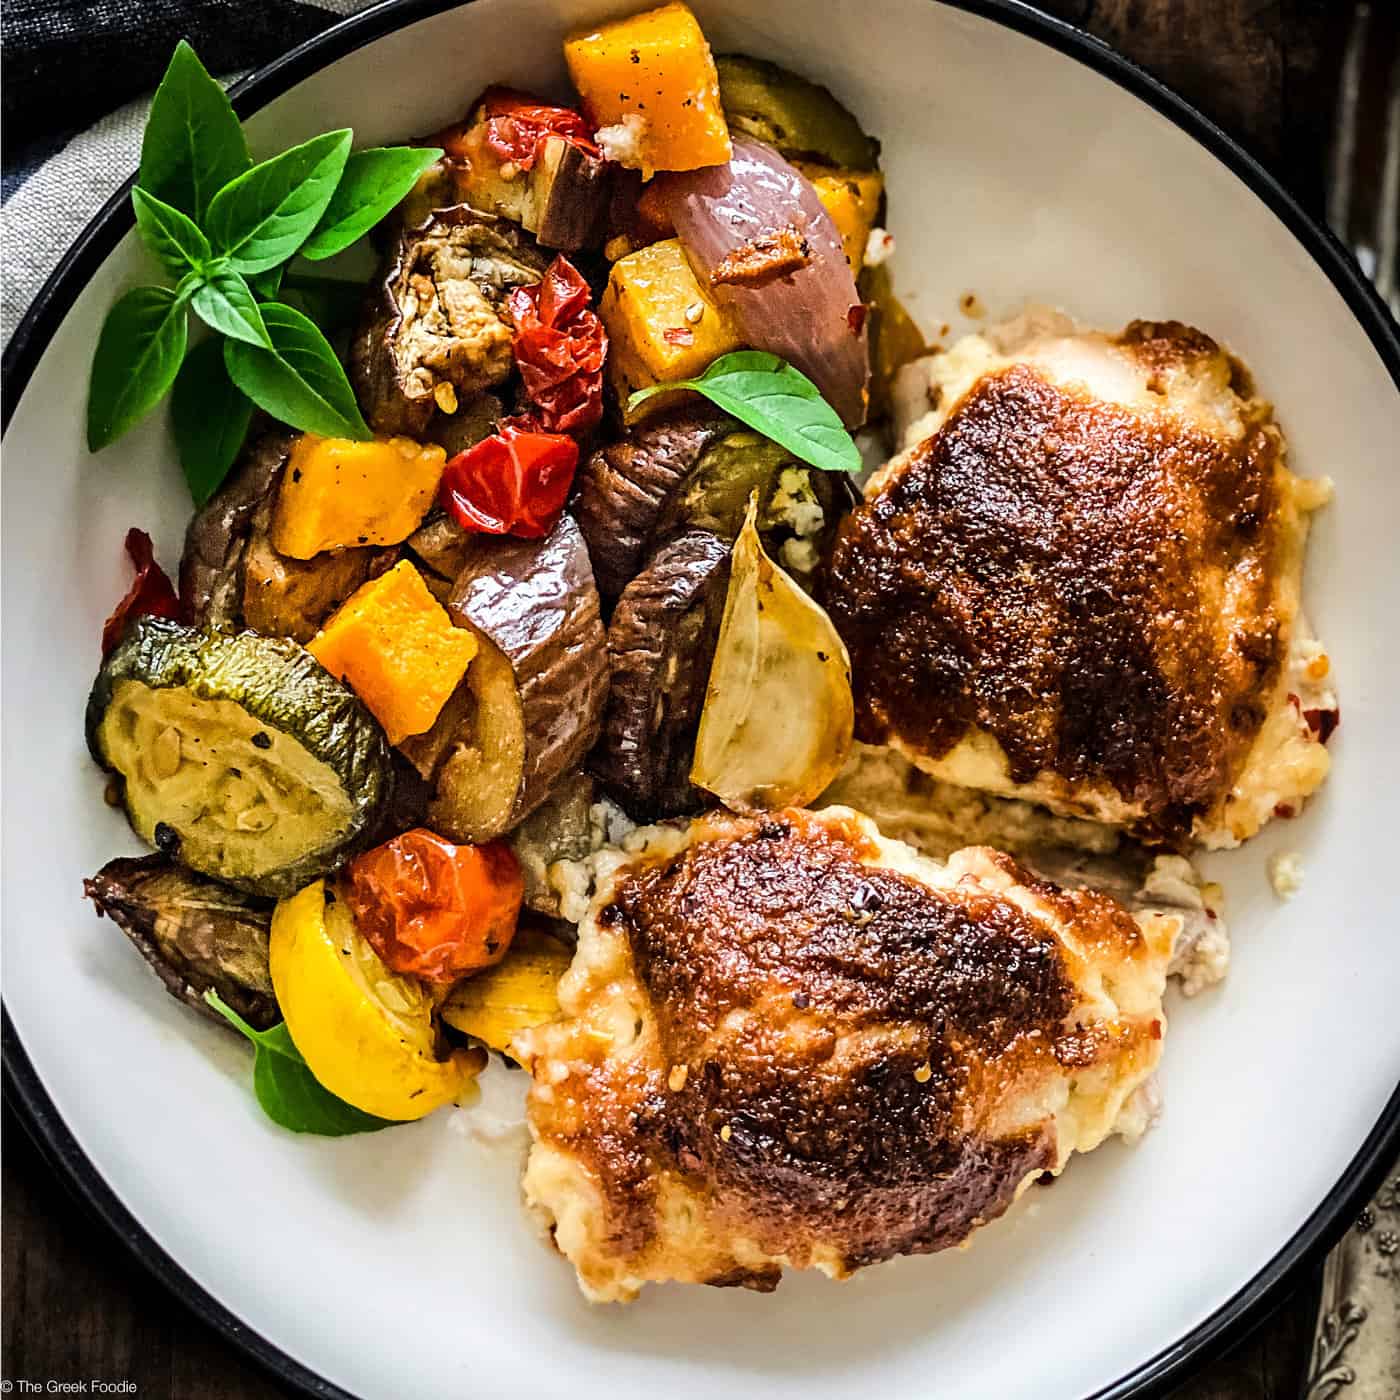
[801,119]
[661,640]
[241,756]
[211,568]
[231,577]
[436,330]
[531,703]
[623,488]
[562,199]
[442,547]
[690,468]
[284,597]
[474,420]
[197,934]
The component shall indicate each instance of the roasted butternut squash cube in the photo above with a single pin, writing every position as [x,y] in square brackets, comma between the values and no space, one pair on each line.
[336,493]
[662,324]
[852,198]
[394,645]
[649,84]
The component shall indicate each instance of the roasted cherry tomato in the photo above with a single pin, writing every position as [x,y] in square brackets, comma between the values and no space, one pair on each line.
[512,483]
[150,593]
[560,347]
[517,126]
[435,910]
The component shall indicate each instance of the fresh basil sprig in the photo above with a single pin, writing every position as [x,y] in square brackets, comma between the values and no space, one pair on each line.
[287,1090]
[223,229]
[292,380]
[210,415]
[768,395]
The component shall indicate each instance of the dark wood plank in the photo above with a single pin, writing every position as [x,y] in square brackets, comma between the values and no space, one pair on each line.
[1264,70]
[77,1307]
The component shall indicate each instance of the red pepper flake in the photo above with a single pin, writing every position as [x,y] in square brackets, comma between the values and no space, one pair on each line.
[1284,810]
[150,594]
[1323,723]
[855,317]
[560,347]
[518,125]
[512,483]
[1156,1030]
[678,335]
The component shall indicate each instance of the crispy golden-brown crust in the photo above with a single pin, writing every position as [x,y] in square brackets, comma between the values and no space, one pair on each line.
[828,1061]
[1093,585]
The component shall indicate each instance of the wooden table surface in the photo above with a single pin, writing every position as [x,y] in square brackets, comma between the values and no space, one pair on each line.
[75,1306]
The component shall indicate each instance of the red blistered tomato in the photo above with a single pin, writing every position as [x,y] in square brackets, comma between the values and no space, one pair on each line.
[150,594]
[517,125]
[512,483]
[435,910]
[560,348]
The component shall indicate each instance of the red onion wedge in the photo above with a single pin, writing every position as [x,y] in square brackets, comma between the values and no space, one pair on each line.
[756,233]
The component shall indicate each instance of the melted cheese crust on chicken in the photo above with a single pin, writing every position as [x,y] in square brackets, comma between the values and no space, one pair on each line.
[1079,584]
[789,1042]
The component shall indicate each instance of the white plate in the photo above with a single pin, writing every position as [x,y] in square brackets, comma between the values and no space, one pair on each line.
[1023,161]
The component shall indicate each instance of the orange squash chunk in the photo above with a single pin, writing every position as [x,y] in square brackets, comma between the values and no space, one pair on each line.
[649,83]
[336,493]
[394,645]
[662,324]
[852,198]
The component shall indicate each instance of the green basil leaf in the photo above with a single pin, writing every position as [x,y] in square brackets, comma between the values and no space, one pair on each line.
[193,143]
[173,237]
[210,415]
[373,183]
[267,213]
[299,380]
[287,1090]
[138,355]
[333,303]
[224,302]
[768,395]
[268,284]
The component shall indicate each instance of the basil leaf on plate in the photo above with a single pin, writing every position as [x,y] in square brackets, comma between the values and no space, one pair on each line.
[193,143]
[138,354]
[174,238]
[267,213]
[224,302]
[374,182]
[268,284]
[287,1091]
[331,302]
[299,381]
[768,395]
[210,415]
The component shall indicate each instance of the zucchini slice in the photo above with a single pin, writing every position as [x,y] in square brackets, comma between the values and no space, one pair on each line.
[242,757]
[799,118]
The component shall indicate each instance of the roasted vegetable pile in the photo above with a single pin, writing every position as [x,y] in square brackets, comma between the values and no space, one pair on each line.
[539,565]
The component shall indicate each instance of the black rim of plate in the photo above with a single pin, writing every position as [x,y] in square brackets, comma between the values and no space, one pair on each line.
[23,1087]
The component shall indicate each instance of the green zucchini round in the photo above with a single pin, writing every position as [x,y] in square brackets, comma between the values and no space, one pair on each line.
[241,756]
[801,120]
